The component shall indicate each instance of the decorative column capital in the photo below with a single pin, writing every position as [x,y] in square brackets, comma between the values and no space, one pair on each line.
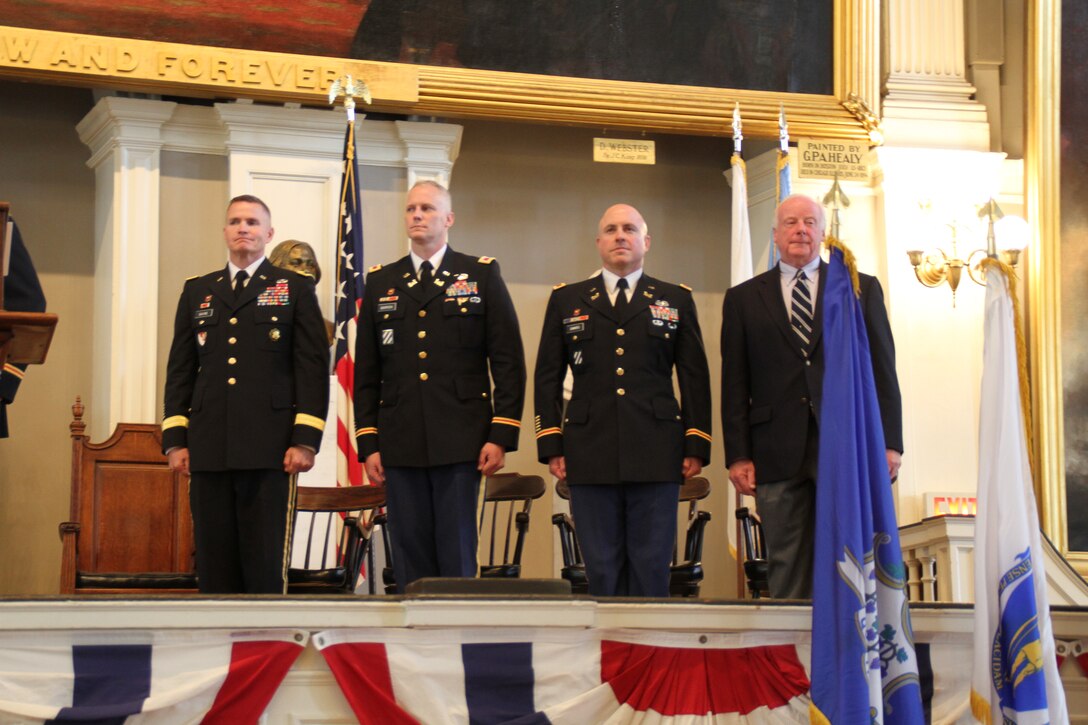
[132,123]
[430,150]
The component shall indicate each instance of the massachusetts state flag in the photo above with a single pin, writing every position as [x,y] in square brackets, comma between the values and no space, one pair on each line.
[575,677]
[1015,671]
[165,678]
[864,667]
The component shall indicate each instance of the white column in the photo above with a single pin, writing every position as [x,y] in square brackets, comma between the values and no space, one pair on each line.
[430,150]
[125,138]
[928,100]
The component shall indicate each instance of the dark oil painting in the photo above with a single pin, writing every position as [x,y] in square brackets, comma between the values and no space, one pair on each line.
[1074,256]
[766,45]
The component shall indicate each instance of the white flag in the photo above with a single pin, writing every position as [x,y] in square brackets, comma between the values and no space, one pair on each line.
[740,266]
[1015,675]
[740,270]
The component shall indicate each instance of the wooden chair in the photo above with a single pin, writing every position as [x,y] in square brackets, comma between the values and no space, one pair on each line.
[335,524]
[755,552]
[130,529]
[686,570]
[512,494]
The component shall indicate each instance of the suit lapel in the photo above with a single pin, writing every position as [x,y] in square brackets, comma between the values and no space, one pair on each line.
[220,287]
[770,291]
[596,296]
[645,292]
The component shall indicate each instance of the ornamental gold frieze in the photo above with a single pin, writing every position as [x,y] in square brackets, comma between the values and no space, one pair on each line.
[192,70]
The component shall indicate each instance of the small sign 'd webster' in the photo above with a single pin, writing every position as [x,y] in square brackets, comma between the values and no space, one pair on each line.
[623,151]
[826,158]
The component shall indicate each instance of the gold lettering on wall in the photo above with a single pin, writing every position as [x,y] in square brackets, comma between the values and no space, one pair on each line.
[152,66]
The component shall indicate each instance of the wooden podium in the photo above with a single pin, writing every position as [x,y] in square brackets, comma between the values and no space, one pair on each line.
[24,336]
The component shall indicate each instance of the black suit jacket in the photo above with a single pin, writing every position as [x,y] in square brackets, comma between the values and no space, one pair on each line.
[771,391]
[423,396]
[246,379]
[623,422]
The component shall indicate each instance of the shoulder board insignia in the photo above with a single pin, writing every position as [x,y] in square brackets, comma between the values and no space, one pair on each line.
[486,260]
[689,289]
[375,268]
[195,276]
[561,285]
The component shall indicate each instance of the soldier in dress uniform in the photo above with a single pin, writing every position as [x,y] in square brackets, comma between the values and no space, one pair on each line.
[430,420]
[624,443]
[246,395]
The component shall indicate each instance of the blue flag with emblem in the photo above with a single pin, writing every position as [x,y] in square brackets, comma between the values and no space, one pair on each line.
[864,667]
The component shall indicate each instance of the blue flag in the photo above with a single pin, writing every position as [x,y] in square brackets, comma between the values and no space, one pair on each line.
[864,668]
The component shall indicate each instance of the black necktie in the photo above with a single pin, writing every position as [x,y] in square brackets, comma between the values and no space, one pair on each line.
[240,282]
[620,303]
[801,309]
[425,272]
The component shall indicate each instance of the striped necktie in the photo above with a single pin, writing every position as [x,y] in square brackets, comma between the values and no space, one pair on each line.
[801,309]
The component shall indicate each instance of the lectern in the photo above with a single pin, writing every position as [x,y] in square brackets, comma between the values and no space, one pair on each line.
[24,336]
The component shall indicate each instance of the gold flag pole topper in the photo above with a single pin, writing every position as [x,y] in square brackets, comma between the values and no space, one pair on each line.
[349,89]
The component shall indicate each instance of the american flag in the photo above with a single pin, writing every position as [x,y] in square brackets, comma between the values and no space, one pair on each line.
[349,295]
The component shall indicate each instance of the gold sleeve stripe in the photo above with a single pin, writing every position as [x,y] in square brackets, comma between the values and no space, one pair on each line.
[311,420]
[697,432]
[506,421]
[175,421]
[365,432]
[10,369]
[549,432]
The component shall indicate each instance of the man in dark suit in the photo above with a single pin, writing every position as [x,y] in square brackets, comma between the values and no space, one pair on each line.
[429,420]
[624,443]
[22,293]
[246,396]
[772,378]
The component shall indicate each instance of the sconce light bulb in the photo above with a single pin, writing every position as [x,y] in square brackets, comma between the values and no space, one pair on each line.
[1012,232]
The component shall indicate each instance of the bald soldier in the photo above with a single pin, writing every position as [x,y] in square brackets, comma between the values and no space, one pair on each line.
[625,442]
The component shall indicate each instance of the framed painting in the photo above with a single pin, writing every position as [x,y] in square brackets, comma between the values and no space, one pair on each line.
[655,65]
[1056,159]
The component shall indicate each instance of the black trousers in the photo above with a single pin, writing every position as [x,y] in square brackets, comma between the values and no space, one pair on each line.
[432,521]
[627,532]
[241,521]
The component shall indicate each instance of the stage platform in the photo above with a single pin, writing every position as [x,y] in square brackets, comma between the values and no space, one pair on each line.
[310,694]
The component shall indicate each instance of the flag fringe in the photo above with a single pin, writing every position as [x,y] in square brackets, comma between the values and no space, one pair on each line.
[815,717]
[980,708]
[988,265]
[736,160]
[848,258]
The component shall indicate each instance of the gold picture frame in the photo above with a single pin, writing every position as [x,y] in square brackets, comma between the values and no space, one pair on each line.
[1042,156]
[180,69]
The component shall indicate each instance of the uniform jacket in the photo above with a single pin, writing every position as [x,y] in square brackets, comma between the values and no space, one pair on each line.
[623,422]
[246,379]
[423,396]
[22,293]
[771,390]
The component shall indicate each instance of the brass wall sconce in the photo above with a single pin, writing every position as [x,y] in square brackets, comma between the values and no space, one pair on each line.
[935,268]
